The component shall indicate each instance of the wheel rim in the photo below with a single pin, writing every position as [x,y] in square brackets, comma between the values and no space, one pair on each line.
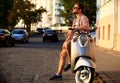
[83,76]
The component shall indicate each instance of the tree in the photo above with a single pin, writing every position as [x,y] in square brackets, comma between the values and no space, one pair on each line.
[5,6]
[25,12]
[90,10]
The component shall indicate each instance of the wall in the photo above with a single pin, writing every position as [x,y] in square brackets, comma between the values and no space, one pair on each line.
[105,25]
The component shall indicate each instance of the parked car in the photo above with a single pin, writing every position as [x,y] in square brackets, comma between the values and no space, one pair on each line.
[39,30]
[5,38]
[50,35]
[20,35]
[45,28]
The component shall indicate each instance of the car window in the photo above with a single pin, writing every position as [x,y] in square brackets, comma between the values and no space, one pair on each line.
[1,31]
[39,29]
[49,31]
[18,32]
[4,32]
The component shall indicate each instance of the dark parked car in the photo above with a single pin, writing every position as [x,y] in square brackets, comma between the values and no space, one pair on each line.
[20,35]
[5,38]
[45,29]
[39,30]
[50,35]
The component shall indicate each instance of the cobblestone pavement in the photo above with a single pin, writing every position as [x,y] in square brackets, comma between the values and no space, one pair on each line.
[108,62]
[33,62]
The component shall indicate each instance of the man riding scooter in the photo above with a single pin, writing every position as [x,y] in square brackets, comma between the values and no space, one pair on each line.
[80,23]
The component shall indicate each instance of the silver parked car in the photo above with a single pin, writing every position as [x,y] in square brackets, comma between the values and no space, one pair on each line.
[20,35]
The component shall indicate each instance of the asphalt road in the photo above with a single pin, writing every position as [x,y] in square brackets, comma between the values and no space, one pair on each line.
[33,62]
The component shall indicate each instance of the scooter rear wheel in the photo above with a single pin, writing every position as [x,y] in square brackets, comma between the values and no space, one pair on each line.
[84,75]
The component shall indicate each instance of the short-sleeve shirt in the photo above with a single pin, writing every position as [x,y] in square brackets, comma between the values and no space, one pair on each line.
[83,20]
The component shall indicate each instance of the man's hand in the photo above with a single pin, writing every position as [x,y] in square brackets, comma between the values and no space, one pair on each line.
[74,39]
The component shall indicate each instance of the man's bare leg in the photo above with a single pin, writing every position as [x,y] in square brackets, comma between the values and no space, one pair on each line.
[68,49]
[67,46]
[62,61]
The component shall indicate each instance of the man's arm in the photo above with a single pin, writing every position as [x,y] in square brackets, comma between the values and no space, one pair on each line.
[69,36]
[70,33]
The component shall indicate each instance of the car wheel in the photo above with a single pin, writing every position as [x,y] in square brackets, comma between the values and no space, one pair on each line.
[43,39]
[24,40]
[12,44]
[7,43]
[27,40]
[56,39]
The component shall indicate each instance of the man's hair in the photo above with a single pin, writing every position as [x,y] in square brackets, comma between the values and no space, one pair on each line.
[80,5]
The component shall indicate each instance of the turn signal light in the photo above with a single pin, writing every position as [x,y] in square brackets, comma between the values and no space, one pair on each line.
[91,40]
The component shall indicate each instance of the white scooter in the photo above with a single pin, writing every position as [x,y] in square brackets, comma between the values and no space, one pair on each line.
[82,57]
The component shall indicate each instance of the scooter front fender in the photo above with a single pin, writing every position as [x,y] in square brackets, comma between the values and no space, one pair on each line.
[84,62]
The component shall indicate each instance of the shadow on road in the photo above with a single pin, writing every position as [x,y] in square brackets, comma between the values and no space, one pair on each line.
[3,78]
[110,76]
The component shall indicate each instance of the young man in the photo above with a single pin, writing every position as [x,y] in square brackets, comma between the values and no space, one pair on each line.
[80,23]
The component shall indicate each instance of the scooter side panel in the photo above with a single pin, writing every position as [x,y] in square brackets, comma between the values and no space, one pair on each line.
[74,53]
[91,50]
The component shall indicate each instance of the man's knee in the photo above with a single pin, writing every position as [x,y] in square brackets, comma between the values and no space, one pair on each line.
[63,53]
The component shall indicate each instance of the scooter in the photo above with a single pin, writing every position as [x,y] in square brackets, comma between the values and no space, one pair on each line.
[82,57]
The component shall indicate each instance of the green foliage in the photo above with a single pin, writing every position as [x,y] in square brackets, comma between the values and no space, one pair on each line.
[5,7]
[23,9]
[90,10]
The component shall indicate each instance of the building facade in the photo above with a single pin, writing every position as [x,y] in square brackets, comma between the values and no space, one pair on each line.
[50,18]
[108,26]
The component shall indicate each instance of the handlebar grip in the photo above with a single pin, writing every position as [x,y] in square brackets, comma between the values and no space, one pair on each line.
[71,28]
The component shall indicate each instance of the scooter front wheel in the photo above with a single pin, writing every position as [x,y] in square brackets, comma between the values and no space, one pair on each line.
[84,75]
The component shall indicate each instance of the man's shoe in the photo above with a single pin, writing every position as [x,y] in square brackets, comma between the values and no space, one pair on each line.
[56,77]
[67,67]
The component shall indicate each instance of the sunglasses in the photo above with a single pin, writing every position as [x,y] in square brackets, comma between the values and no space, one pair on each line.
[76,8]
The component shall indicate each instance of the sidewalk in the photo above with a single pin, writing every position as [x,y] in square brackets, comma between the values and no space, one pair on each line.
[108,65]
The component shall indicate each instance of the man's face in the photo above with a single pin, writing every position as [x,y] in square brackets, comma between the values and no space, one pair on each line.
[75,9]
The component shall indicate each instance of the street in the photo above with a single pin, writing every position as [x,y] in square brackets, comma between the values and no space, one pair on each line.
[33,62]
[22,62]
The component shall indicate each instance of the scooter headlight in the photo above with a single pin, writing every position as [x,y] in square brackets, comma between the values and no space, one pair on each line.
[83,38]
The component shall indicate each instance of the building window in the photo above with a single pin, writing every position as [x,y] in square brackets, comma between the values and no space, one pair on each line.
[109,32]
[103,32]
[99,33]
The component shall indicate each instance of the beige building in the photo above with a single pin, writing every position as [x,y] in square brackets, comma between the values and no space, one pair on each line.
[108,24]
[52,17]
[45,16]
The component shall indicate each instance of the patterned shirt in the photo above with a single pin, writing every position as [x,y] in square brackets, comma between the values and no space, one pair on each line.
[82,21]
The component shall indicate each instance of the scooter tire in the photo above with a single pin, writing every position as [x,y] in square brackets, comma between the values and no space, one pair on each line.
[85,78]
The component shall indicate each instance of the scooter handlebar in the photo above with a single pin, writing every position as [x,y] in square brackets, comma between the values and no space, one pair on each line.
[71,28]
[80,32]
